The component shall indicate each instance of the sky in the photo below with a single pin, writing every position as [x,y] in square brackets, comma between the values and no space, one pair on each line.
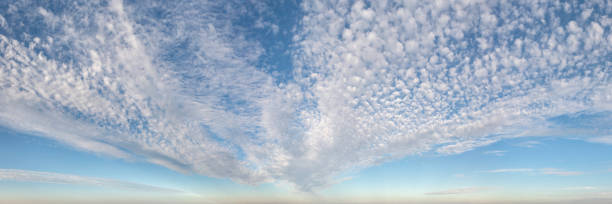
[313,101]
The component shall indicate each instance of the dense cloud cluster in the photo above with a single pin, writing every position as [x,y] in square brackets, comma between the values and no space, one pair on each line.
[394,78]
[180,84]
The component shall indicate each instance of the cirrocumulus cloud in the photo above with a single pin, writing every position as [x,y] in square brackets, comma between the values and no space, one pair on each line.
[181,84]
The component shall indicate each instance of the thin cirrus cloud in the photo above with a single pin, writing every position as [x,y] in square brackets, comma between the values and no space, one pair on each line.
[558,172]
[57,178]
[529,144]
[498,153]
[509,170]
[602,139]
[371,82]
[542,171]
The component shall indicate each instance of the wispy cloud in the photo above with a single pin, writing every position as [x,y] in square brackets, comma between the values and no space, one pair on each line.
[498,153]
[529,144]
[510,170]
[558,172]
[458,191]
[603,139]
[50,177]
[543,171]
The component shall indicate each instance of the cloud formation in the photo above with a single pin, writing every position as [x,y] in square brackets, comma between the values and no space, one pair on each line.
[178,83]
[49,177]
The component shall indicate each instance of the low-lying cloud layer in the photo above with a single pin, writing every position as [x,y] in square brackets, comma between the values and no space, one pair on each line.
[181,84]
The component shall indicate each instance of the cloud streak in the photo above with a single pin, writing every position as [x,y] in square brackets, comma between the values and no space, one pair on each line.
[542,171]
[57,178]
[498,153]
[509,170]
[602,139]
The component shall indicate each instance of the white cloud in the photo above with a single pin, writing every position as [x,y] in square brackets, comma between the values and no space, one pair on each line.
[602,139]
[107,86]
[372,82]
[57,178]
[3,22]
[501,79]
[558,172]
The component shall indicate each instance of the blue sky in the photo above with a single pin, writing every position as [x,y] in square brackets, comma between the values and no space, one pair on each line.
[305,101]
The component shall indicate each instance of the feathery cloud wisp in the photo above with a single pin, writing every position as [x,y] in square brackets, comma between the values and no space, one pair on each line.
[498,153]
[57,178]
[543,171]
